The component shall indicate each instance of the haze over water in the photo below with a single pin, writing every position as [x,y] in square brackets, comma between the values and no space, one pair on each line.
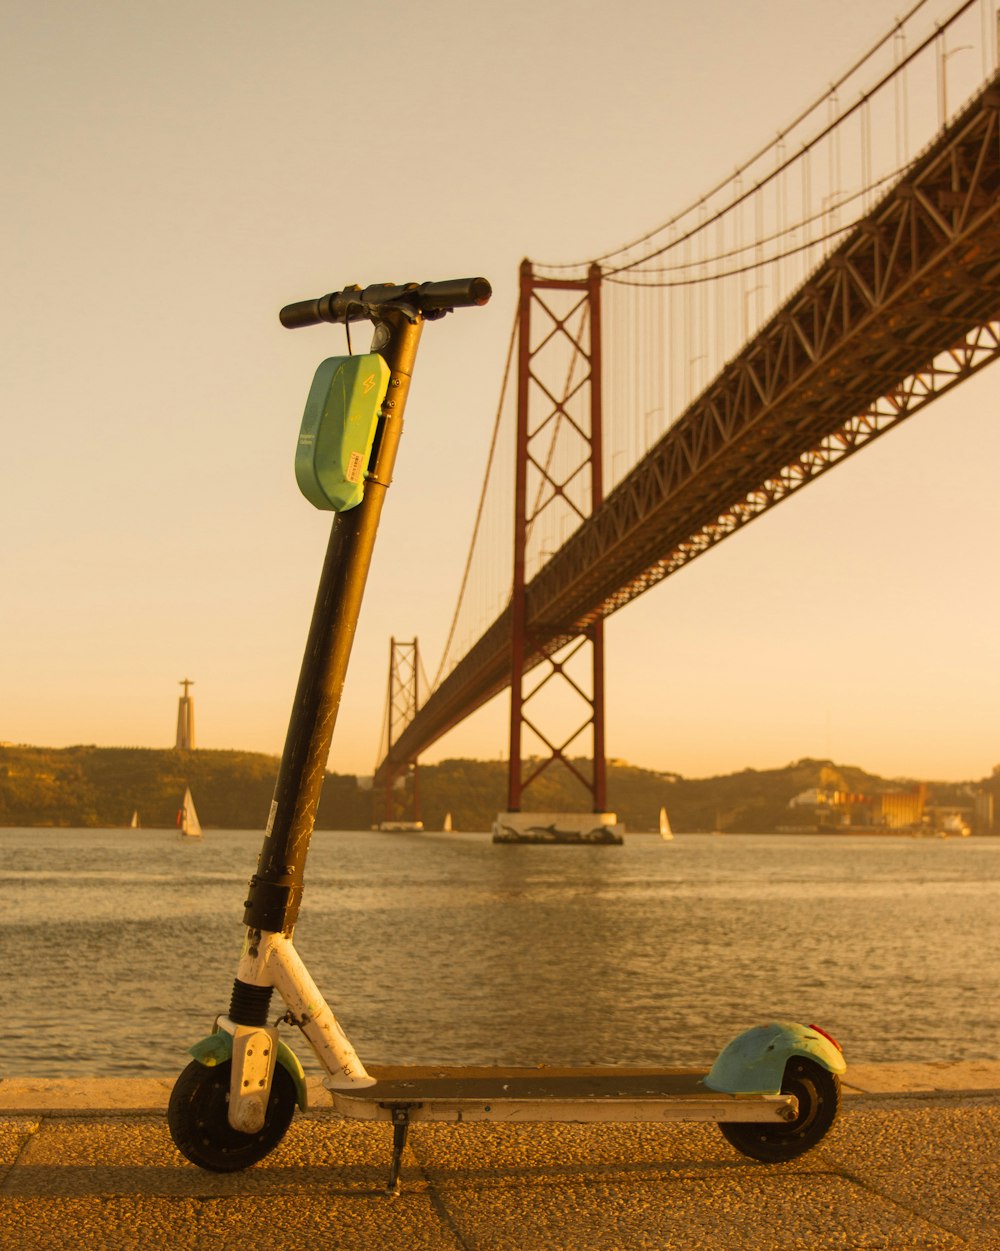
[445,948]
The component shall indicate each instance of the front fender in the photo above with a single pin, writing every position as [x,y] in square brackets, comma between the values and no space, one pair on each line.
[217,1048]
[754,1062]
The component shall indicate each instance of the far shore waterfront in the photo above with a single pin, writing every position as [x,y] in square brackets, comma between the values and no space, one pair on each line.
[118,787]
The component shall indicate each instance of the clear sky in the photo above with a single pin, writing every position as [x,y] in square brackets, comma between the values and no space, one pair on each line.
[176,172]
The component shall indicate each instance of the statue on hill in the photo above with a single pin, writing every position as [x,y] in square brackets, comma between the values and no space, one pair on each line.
[185,718]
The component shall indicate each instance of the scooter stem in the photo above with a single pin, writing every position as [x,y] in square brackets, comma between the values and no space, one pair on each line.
[276,888]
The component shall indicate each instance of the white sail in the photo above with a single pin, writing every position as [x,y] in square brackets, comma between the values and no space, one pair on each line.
[665,830]
[447,823]
[187,818]
[134,823]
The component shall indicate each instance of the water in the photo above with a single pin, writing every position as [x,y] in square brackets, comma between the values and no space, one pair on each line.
[119,947]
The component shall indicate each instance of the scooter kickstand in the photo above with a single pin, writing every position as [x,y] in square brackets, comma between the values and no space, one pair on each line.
[400,1130]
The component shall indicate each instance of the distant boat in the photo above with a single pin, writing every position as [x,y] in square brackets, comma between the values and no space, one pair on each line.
[955,826]
[666,833]
[134,823]
[187,818]
[447,823]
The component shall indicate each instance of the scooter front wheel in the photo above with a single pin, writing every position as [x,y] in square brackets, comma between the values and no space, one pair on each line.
[818,1093]
[197,1117]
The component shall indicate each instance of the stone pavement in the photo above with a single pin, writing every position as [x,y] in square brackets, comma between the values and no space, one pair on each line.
[912,1162]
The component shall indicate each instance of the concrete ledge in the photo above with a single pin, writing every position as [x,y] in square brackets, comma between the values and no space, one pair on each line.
[66,1096]
[933,1077]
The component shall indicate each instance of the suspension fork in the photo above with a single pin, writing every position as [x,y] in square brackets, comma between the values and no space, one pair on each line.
[269,960]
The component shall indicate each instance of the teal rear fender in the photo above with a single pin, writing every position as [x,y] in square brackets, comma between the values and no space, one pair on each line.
[217,1048]
[754,1062]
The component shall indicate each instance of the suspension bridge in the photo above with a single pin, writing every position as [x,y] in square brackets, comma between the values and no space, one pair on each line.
[659,396]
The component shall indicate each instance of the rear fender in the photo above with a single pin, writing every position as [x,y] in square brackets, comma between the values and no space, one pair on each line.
[217,1048]
[754,1062]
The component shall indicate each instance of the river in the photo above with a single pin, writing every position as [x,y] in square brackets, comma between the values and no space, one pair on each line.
[119,946]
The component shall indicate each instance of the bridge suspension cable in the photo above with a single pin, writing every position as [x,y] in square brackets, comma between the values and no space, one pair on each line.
[899,26]
[445,654]
[615,277]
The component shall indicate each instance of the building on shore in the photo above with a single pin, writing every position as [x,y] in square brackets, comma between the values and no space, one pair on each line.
[844,810]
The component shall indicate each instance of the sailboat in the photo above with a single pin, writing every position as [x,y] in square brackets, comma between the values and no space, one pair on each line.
[134,823]
[187,818]
[447,823]
[666,833]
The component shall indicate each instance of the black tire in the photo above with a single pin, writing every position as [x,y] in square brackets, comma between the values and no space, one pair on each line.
[197,1117]
[818,1093]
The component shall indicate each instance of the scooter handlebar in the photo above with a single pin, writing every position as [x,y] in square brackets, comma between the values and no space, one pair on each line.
[357,304]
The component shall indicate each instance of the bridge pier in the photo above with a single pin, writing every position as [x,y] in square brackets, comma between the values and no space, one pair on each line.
[587,829]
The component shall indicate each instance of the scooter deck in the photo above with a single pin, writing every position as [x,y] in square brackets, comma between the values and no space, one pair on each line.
[553,1094]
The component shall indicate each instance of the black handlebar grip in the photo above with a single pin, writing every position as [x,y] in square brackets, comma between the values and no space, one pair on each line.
[455,293]
[305,313]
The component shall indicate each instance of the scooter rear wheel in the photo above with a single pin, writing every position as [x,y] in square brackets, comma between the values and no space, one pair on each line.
[197,1117]
[818,1093]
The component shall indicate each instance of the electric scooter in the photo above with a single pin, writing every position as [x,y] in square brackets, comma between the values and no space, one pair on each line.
[774,1090]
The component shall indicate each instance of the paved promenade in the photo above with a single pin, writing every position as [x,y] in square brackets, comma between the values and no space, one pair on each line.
[912,1162]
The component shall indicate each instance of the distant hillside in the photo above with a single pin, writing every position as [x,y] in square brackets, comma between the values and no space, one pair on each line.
[102,786]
